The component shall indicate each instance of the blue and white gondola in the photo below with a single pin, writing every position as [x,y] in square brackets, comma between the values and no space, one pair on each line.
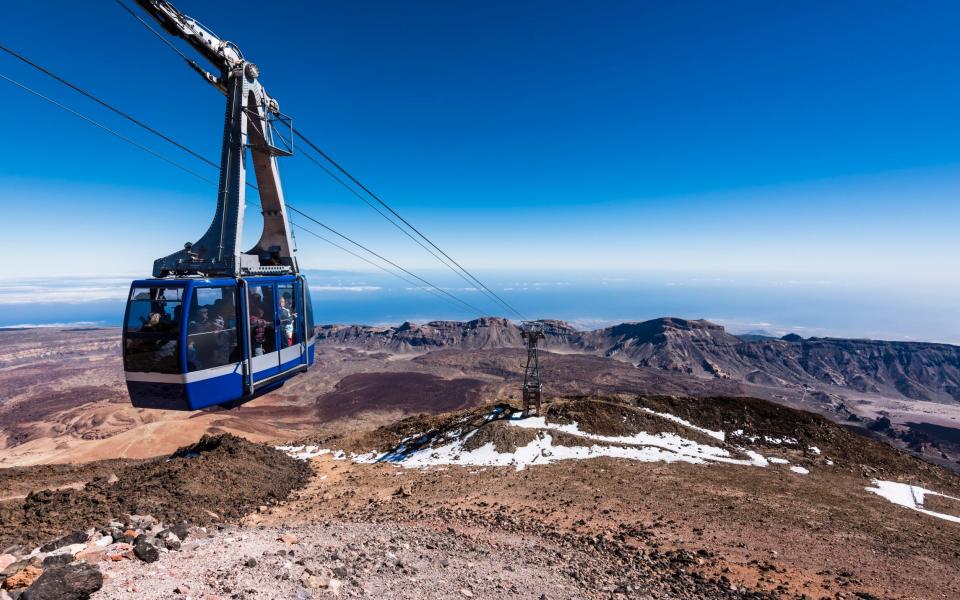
[190,343]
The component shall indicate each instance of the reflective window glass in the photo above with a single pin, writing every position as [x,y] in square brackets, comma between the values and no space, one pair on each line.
[154,309]
[212,339]
[153,330]
[263,312]
[289,316]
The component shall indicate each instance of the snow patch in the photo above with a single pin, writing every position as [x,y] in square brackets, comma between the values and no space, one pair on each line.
[416,453]
[780,441]
[800,470]
[909,496]
[645,447]
[308,452]
[540,451]
[778,461]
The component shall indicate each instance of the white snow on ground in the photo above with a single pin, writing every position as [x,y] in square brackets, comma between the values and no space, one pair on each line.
[714,434]
[910,496]
[778,461]
[543,451]
[644,447]
[308,452]
[770,440]
[778,441]
[815,450]
[800,470]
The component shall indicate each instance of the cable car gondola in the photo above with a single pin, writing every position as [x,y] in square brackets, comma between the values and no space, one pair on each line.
[217,326]
[193,343]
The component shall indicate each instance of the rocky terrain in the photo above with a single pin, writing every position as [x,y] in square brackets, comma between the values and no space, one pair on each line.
[62,397]
[910,370]
[909,392]
[600,497]
[673,460]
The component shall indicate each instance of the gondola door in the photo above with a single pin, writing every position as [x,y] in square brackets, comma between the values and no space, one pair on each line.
[289,326]
[264,351]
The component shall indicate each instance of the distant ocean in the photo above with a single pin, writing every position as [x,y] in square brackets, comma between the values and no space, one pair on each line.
[765,305]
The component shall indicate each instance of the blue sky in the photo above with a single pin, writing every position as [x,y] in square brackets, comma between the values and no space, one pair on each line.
[787,141]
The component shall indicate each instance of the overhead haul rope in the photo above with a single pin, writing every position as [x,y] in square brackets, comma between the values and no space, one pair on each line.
[408,224]
[430,286]
[107,129]
[400,228]
[350,189]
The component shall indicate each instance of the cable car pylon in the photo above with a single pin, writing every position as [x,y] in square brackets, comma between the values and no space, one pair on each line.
[532,332]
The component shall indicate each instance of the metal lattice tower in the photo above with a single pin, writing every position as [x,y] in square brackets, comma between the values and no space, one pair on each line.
[532,332]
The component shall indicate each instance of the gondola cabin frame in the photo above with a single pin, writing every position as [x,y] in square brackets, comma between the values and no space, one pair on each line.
[191,343]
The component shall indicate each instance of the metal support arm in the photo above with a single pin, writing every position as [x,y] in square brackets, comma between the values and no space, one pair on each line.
[248,123]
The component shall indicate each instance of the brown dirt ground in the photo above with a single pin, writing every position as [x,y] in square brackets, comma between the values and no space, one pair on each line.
[940,504]
[504,437]
[818,535]
[219,478]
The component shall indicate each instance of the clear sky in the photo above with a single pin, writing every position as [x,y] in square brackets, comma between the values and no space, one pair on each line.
[809,140]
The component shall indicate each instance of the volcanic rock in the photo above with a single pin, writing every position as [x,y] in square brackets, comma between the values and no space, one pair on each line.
[145,551]
[70,582]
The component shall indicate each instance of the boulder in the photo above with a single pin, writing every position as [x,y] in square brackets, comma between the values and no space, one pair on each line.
[69,549]
[15,567]
[69,582]
[16,550]
[168,539]
[145,551]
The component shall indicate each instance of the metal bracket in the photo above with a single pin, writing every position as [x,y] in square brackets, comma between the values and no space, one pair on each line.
[251,115]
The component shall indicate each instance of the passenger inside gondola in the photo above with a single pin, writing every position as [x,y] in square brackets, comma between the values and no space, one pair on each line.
[211,330]
[152,327]
[262,320]
[286,320]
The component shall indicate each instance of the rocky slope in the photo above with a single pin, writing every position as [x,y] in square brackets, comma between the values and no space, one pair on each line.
[600,497]
[909,370]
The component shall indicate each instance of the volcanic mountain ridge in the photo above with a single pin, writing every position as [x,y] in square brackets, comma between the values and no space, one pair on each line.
[909,370]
